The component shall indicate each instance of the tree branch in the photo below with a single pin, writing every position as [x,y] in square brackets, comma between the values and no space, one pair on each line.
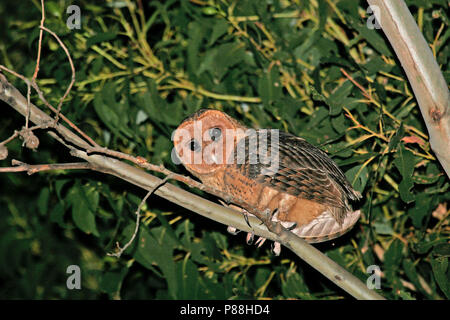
[423,73]
[19,166]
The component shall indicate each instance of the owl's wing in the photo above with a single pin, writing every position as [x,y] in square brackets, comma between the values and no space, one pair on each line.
[292,165]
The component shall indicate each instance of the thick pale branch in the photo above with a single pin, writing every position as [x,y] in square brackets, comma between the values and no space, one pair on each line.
[424,75]
[206,208]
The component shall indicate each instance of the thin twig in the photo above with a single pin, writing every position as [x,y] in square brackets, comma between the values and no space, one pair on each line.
[120,250]
[41,32]
[33,168]
[44,100]
[28,105]
[24,132]
[11,138]
[363,90]
[18,75]
[71,66]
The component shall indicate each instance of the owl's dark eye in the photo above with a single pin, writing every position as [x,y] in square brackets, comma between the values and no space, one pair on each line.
[194,145]
[215,133]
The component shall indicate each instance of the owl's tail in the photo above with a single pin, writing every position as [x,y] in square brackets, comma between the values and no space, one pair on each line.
[324,227]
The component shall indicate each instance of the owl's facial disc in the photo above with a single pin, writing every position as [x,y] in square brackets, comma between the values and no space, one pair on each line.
[204,144]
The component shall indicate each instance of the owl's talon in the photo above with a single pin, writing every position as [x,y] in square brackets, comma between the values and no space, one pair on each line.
[274,213]
[260,242]
[246,220]
[276,248]
[250,237]
[292,227]
[233,230]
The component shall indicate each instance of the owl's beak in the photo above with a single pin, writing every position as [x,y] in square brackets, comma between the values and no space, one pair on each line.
[214,158]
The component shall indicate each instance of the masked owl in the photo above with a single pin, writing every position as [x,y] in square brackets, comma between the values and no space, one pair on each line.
[271,171]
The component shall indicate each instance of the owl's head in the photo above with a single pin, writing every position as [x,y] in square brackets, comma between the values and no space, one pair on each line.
[205,140]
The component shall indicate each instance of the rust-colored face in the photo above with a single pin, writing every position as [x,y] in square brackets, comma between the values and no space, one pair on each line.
[205,141]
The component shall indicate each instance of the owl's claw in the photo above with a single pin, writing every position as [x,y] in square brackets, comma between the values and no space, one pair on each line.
[268,217]
[246,220]
[250,237]
[276,248]
[274,213]
[233,230]
[291,227]
[260,242]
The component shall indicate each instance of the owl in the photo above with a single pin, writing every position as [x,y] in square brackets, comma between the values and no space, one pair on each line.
[271,171]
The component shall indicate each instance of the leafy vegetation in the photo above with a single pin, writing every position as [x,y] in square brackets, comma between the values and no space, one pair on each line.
[312,68]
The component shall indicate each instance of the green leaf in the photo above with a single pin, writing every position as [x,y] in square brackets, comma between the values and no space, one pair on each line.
[100,37]
[294,286]
[442,274]
[57,215]
[43,201]
[53,8]
[158,110]
[358,177]
[149,252]
[395,140]
[405,295]
[219,60]
[393,255]
[82,214]
[188,279]
[269,86]
[323,14]
[215,290]
[338,99]
[411,272]
[59,184]
[442,249]
[383,228]
[424,246]
[425,179]
[372,36]
[92,197]
[405,163]
[354,159]
[420,210]
[111,282]
[219,29]
[339,123]
[374,65]
[196,33]
[106,113]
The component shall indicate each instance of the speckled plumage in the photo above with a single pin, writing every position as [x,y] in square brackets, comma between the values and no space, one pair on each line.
[305,186]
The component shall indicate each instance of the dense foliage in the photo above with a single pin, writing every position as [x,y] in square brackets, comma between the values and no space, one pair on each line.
[142,67]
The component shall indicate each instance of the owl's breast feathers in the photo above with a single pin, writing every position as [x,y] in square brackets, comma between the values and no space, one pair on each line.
[296,178]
